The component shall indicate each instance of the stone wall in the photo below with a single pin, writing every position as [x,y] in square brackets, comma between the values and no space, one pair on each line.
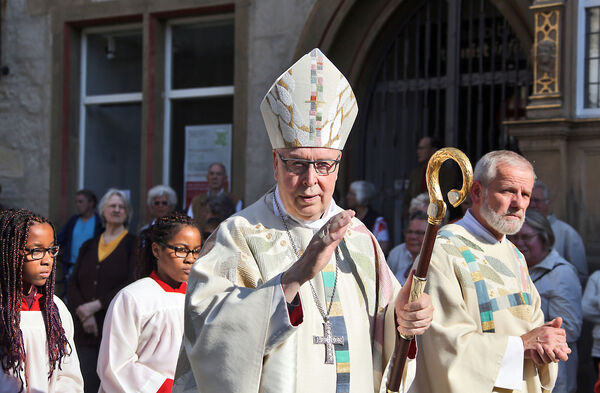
[25,94]
[565,155]
[25,105]
[274,31]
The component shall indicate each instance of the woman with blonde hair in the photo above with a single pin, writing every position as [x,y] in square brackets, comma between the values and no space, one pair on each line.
[104,266]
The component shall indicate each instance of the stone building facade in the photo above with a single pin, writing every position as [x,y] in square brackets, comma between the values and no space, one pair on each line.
[25,97]
[98,93]
[55,137]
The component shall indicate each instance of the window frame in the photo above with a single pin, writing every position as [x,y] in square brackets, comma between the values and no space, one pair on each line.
[84,100]
[580,110]
[171,94]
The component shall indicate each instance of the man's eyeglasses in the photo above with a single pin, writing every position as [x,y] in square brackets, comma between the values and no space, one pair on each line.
[38,253]
[299,166]
[183,252]
[411,232]
[158,203]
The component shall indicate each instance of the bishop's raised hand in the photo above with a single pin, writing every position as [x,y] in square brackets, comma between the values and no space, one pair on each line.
[317,254]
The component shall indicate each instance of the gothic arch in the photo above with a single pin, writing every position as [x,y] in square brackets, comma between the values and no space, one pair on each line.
[356,35]
[347,30]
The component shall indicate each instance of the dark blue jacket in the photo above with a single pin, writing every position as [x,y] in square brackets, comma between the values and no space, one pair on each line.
[65,236]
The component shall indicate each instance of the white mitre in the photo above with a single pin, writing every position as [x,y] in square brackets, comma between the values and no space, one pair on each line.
[310,105]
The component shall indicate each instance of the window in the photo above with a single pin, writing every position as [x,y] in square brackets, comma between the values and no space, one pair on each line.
[588,59]
[110,110]
[199,60]
[198,91]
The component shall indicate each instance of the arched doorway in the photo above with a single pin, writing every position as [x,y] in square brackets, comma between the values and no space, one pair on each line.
[454,70]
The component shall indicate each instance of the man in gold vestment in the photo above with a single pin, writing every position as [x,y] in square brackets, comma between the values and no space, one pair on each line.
[488,332]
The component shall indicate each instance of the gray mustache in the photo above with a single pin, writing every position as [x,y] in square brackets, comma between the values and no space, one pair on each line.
[515,212]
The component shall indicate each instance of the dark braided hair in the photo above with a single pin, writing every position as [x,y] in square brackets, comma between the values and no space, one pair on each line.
[14,232]
[161,232]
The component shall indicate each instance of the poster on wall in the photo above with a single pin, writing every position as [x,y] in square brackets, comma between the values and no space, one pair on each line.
[204,145]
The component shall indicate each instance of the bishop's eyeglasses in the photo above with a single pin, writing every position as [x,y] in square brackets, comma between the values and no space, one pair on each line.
[183,252]
[299,166]
[38,253]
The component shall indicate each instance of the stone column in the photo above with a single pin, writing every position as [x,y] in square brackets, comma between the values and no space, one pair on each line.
[564,149]
[543,136]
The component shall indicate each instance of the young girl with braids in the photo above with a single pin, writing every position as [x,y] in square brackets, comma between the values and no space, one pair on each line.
[143,328]
[36,330]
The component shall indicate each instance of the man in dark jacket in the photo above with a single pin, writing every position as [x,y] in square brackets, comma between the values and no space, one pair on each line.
[82,226]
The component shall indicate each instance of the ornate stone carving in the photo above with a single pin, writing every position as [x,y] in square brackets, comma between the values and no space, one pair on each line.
[546,53]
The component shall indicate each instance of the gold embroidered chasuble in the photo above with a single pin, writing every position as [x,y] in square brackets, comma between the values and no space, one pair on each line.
[232,342]
[471,280]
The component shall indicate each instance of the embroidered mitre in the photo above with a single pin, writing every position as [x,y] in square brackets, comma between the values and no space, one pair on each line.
[310,105]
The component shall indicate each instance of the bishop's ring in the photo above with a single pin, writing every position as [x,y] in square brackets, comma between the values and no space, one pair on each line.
[324,231]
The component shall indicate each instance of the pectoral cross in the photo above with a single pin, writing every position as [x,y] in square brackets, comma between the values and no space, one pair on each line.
[329,340]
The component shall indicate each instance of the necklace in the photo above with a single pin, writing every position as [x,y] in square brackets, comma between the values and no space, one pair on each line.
[328,339]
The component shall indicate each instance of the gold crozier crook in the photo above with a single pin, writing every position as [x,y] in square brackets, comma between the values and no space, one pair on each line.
[437,207]
[435,213]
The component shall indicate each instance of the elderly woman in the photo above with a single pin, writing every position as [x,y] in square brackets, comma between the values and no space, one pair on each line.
[557,282]
[359,197]
[104,266]
[161,201]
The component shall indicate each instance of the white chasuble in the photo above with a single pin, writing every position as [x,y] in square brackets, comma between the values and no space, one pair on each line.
[482,294]
[238,337]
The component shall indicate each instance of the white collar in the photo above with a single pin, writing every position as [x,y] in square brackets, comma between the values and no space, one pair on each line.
[315,225]
[470,223]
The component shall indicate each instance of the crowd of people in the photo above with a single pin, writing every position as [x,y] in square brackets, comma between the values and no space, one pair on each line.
[295,293]
[120,283]
[556,260]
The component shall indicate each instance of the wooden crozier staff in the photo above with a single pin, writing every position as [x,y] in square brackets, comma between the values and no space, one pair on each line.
[435,213]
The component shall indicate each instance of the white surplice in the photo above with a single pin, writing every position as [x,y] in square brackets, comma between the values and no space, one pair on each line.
[66,379]
[142,334]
